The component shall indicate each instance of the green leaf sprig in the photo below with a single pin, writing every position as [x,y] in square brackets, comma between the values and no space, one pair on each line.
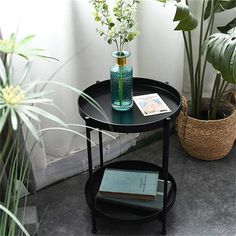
[119,25]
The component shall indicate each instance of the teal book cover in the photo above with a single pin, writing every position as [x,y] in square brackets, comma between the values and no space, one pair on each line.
[133,184]
[151,205]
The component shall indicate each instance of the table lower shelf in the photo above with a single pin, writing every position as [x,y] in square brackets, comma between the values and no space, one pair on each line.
[121,213]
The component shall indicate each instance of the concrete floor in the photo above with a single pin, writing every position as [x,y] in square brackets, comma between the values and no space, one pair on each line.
[205,202]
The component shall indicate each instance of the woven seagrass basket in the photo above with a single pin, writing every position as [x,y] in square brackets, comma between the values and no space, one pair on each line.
[206,139]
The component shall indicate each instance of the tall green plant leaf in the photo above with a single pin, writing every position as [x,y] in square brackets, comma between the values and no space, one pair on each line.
[14,119]
[3,118]
[187,21]
[24,41]
[3,75]
[44,113]
[182,11]
[28,124]
[25,72]
[221,53]
[188,24]
[15,219]
[219,6]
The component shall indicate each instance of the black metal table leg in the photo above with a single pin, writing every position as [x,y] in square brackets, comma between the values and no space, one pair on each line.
[100,148]
[90,167]
[92,108]
[165,164]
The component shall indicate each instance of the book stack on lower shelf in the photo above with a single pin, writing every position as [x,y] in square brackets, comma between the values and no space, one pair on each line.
[138,189]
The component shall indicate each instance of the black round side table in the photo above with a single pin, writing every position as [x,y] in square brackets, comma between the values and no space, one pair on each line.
[132,121]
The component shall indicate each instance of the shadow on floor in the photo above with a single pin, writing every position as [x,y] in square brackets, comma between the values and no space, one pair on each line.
[205,202]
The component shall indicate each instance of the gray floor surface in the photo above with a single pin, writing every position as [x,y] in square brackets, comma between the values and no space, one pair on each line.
[205,202]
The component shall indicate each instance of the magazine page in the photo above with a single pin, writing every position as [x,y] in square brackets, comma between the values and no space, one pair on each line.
[151,104]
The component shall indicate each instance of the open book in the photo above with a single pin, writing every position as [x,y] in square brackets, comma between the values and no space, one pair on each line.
[151,104]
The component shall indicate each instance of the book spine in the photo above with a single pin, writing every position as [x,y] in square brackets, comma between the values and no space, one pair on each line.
[128,196]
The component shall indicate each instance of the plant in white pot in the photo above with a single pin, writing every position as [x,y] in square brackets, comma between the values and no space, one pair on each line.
[207,129]
[118,26]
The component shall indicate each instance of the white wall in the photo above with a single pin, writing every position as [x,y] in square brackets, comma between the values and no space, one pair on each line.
[66,29]
[160,48]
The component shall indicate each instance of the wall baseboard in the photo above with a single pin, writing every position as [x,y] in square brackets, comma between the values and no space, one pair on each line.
[75,163]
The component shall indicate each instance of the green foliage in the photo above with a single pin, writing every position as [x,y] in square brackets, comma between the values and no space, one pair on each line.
[220,50]
[15,219]
[117,26]
[19,106]
[18,101]
[218,6]
[10,46]
[221,53]
[14,156]
[187,21]
[187,24]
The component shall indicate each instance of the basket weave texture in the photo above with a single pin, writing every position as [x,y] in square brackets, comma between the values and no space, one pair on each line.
[206,139]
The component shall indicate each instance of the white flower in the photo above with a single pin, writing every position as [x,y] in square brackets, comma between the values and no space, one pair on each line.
[18,102]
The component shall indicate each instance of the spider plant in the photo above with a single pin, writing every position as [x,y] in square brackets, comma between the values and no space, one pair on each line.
[15,219]
[217,49]
[19,106]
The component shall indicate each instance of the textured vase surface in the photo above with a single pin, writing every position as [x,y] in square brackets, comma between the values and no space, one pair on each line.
[121,78]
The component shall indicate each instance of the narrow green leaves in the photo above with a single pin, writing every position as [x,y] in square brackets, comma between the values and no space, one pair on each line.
[14,119]
[45,114]
[3,76]
[3,118]
[24,41]
[15,219]
[25,72]
[11,46]
[28,124]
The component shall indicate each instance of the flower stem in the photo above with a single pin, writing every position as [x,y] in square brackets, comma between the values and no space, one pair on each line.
[6,143]
[121,85]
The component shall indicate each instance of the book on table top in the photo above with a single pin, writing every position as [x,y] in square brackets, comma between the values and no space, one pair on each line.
[151,205]
[132,184]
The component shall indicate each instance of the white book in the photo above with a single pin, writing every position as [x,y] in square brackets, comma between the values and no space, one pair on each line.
[151,104]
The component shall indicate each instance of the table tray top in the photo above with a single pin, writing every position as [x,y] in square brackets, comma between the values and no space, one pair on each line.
[131,121]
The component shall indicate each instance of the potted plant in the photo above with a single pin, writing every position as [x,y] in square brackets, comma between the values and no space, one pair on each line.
[22,104]
[119,28]
[207,129]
